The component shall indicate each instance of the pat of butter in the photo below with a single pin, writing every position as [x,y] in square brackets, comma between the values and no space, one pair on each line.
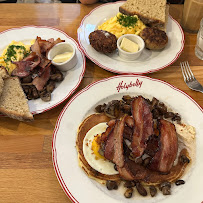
[128,45]
[60,58]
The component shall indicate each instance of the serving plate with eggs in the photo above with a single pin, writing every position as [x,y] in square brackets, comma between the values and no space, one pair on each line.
[106,17]
[20,39]
[79,132]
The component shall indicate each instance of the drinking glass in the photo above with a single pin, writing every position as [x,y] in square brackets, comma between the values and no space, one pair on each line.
[192,14]
[199,44]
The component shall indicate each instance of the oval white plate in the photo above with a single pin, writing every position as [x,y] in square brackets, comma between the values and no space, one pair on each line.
[149,61]
[72,178]
[72,78]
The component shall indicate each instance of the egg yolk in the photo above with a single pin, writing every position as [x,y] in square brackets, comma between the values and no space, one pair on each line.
[96,147]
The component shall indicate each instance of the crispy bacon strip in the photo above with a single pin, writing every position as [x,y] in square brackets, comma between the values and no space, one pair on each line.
[165,157]
[132,171]
[114,151]
[51,40]
[143,126]
[112,122]
[45,45]
[58,40]
[129,121]
[114,145]
[153,145]
[125,172]
[44,63]
[104,135]
[139,172]
[127,134]
[36,48]
[23,68]
[32,57]
[109,145]
[118,158]
[40,81]
[42,47]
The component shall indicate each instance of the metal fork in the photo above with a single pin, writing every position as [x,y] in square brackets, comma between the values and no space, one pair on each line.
[189,78]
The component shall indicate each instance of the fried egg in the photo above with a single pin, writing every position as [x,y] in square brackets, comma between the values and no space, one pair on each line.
[91,153]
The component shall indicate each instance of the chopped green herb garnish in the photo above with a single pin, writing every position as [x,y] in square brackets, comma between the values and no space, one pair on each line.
[127,21]
[26,53]
[11,53]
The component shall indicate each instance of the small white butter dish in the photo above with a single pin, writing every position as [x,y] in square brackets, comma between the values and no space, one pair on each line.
[61,48]
[130,56]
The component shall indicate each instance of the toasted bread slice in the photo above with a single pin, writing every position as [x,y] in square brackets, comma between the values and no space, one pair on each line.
[13,102]
[163,27]
[3,75]
[3,72]
[1,85]
[151,13]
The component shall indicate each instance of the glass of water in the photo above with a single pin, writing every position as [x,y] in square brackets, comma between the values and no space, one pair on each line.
[199,45]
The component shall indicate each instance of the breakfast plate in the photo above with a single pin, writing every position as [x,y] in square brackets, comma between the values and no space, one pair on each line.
[76,184]
[150,61]
[72,78]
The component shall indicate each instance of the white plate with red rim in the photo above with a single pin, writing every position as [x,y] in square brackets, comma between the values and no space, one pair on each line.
[148,62]
[73,179]
[72,78]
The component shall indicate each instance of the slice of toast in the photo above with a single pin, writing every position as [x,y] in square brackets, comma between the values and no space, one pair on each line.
[1,85]
[13,102]
[152,13]
[3,75]
[3,72]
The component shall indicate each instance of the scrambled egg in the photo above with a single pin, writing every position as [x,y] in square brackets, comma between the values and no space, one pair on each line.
[113,26]
[15,51]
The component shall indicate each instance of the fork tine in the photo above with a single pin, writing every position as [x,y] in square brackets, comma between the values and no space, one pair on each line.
[188,76]
[189,70]
[186,71]
[183,71]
